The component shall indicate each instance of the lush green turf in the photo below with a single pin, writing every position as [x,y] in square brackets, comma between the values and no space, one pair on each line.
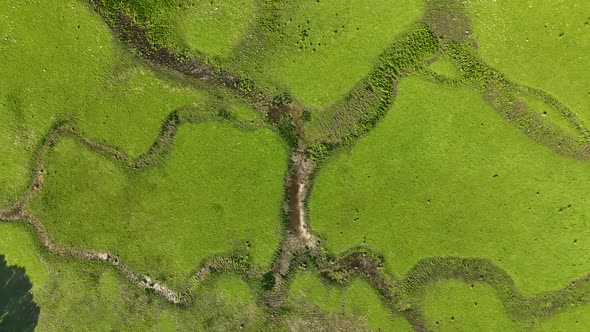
[20,248]
[455,306]
[543,44]
[59,60]
[444,66]
[204,199]
[358,298]
[443,174]
[77,296]
[89,297]
[318,50]
[575,319]
[213,27]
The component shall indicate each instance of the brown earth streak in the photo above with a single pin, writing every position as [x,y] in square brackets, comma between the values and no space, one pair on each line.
[141,281]
[18,212]
[297,191]
[136,36]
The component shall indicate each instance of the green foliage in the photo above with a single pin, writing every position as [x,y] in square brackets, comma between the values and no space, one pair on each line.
[306,116]
[18,312]
[287,130]
[240,262]
[246,86]
[225,114]
[318,151]
[435,161]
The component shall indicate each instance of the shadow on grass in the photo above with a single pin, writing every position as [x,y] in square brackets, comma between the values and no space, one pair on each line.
[18,312]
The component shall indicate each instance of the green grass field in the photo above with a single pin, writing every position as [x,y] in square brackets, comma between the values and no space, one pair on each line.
[455,306]
[318,50]
[214,27]
[357,299]
[444,66]
[574,319]
[165,219]
[59,61]
[89,297]
[542,45]
[454,179]
[302,165]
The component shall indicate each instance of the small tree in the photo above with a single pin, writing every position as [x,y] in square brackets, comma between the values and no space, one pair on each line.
[18,312]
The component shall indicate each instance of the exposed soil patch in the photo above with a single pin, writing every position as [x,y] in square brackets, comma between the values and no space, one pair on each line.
[355,115]
[297,189]
[11,214]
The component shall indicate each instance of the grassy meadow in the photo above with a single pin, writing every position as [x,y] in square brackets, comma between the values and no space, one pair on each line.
[454,179]
[318,50]
[574,319]
[77,296]
[204,199]
[471,160]
[59,61]
[214,28]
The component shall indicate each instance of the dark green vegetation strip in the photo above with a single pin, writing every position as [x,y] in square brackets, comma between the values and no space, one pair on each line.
[362,108]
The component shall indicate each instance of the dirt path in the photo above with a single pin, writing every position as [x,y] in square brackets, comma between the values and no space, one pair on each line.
[297,190]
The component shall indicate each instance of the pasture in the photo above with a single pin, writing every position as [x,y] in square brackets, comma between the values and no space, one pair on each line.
[179,165]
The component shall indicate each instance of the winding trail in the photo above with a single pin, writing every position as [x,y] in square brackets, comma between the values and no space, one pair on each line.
[19,212]
[141,281]
[297,191]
